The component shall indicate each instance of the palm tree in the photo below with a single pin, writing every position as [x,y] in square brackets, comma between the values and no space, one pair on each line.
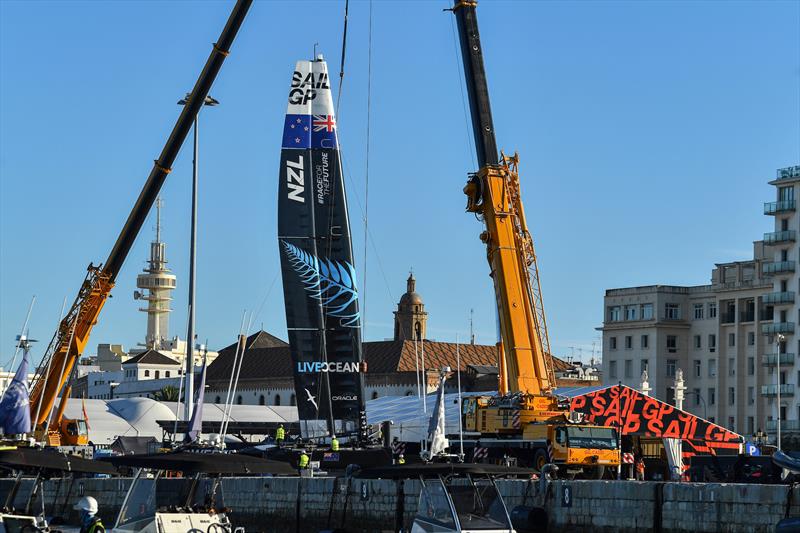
[166,394]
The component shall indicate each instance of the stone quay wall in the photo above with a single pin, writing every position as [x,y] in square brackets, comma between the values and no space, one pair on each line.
[317,504]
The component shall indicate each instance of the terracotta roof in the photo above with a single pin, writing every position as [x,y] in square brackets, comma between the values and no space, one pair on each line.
[267,357]
[151,357]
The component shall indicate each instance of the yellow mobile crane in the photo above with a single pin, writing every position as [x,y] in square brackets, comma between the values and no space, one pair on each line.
[72,335]
[526,420]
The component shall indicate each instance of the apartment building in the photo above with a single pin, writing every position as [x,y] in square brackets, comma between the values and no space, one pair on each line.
[734,339]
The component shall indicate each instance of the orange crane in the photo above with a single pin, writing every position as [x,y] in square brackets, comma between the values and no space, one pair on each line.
[72,335]
[526,408]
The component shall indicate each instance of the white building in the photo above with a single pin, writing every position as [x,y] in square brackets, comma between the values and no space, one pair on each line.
[723,335]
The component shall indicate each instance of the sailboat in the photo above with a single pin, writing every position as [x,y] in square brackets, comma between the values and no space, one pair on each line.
[319,279]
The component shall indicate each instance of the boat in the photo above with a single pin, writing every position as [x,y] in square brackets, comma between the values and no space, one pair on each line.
[457,497]
[319,279]
[43,464]
[153,503]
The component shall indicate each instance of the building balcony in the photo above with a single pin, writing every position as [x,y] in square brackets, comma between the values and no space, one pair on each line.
[781,206]
[786,426]
[727,318]
[778,298]
[772,359]
[788,173]
[778,237]
[787,389]
[777,327]
[747,316]
[778,267]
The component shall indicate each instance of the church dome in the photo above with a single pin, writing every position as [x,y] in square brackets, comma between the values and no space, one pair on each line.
[411,298]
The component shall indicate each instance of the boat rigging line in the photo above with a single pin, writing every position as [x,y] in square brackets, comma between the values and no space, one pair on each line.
[226,420]
[366,174]
[344,49]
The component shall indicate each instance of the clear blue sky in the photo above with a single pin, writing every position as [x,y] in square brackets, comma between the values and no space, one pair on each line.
[647,132]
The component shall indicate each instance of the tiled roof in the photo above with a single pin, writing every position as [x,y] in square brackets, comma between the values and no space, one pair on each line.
[151,357]
[267,357]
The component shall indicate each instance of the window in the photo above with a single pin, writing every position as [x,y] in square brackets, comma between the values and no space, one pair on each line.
[158,374]
[731,339]
[785,224]
[612,369]
[239,400]
[217,399]
[375,395]
[731,366]
[751,338]
[672,311]
[166,374]
[698,311]
[712,368]
[613,313]
[292,400]
[786,193]
[751,366]
[146,373]
[712,343]
[751,395]
[672,364]
[647,311]
[696,394]
[645,341]
[731,422]
[712,309]
[784,255]
[630,312]
[628,368]
[277,399]
[712,397]
[697,342]
[262,400]
[731,396]
[628,342]
[750,425]
[644,366]
[612,343]
[672,343]
[697,366]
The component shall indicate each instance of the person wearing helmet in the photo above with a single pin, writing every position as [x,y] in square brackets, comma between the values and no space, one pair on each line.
[90,522]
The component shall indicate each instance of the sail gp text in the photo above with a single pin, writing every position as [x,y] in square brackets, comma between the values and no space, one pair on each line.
[304,89]
[319,366]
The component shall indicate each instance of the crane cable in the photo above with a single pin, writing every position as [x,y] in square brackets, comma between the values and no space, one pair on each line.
[344,49]
[366,175]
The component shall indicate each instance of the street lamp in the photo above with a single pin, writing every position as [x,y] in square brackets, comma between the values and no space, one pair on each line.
[189,372]
[705,407]
[778,340]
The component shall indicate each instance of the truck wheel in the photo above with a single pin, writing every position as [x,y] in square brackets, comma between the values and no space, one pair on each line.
[596,472]
[540,459]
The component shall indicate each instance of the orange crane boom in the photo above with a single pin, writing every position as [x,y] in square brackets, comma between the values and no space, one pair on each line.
[72,335]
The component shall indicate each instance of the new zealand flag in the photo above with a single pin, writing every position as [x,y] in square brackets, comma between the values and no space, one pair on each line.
[309,131]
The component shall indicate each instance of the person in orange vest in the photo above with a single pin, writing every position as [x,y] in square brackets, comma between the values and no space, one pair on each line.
[639,468]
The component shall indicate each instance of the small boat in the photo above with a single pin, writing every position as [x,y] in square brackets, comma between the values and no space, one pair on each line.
[154,504]
[43,464]
[455,497]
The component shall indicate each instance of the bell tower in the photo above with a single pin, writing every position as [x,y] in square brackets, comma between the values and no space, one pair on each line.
[410,319]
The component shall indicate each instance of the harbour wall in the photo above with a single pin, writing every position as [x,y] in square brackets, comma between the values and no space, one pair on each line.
[310,505]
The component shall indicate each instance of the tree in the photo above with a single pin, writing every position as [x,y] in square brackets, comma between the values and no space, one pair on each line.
[166,394]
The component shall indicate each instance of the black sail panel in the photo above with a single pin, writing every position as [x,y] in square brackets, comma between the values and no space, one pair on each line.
[319,279]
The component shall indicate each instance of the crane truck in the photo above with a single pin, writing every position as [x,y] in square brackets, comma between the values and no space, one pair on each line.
[60,360]
[526,420]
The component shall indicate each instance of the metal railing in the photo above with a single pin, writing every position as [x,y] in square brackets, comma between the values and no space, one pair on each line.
[777,327]
[728,318]
[747,316]
[788,173]
[786,297]
[774,237]
[787,389]
[771,359]
[777,267]
[786,425]
[781,206]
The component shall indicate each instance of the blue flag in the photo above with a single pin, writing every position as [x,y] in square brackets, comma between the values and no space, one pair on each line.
[15,411]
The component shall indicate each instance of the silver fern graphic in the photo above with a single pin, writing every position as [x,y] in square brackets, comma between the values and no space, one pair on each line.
[331,282]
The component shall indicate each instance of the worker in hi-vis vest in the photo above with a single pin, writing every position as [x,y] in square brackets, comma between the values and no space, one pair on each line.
[280,434]
[334,444]
[302,464]
[90,522]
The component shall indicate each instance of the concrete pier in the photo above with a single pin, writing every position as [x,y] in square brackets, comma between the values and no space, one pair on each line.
[309,505]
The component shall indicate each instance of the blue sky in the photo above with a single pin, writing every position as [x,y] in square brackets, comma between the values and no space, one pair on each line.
[647,133]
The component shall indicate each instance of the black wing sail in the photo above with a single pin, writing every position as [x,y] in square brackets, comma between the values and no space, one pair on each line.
[319,279]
